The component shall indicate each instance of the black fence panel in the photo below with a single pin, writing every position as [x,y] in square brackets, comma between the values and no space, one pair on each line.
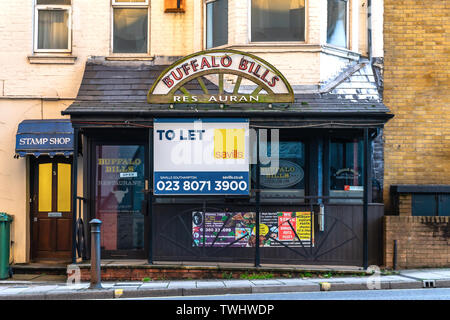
[297,235]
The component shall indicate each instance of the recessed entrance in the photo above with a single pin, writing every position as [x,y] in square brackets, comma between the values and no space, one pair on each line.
[119,183]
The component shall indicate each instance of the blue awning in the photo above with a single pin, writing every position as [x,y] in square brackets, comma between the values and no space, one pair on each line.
[44,137]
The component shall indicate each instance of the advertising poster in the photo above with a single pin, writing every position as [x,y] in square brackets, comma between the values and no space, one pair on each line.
[237,229]
[201,157]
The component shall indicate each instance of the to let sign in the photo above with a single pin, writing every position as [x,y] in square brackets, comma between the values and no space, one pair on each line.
[201,156]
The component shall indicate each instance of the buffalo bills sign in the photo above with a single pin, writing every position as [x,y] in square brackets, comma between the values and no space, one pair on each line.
[222,77]
[201,156]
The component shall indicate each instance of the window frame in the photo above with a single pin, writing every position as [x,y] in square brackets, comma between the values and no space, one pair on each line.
[51,7]
[347,28]
[117,4]
[436,202]
[249,23]
[205,35]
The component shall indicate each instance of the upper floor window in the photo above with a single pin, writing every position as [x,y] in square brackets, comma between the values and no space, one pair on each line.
[281,20]
[216,23]
[337,22]
[130,26]
[52,26]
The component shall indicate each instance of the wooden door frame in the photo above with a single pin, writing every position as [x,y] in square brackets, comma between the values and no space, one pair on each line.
[34,194]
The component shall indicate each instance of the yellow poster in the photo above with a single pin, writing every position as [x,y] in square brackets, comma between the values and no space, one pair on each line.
[304,223]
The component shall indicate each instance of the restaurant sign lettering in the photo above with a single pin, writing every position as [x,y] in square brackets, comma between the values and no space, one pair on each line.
[221,77]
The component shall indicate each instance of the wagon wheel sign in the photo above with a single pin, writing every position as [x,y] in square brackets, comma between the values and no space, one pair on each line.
[221,77]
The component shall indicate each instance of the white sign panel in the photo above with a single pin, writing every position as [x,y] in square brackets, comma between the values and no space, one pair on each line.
[201,156]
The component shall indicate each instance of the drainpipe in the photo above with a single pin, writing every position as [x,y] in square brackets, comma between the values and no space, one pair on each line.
[369,28]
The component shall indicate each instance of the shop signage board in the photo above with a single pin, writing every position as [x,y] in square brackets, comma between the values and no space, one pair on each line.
[267,83]
[237,229]
[201,156]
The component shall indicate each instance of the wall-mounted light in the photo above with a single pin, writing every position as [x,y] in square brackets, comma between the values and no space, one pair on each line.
[174,6]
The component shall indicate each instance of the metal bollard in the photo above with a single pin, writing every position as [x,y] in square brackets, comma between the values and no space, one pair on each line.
[96,277]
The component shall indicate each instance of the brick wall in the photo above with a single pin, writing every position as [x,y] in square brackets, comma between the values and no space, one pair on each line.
[416,82]
[421,241]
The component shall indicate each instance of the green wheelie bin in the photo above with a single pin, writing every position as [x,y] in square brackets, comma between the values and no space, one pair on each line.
[5,225]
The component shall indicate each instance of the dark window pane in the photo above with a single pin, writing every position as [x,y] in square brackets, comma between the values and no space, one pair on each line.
[53,29]
[423,204]
[346,168]
[57,2]
[119,181]
[337,23]
[130,30]
[281,20]
[444,205]
[288,182]
[216,23]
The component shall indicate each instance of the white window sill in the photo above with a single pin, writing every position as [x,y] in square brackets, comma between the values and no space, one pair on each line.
[130,58]
[52,59]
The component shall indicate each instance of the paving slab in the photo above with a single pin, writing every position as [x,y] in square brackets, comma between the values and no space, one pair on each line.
[128,284]
[13,290]
[154,285]
[182,284]
[79,286]
[39,289]
[295,282]
[266,282]
[237,283]
[210,284]
[427,274]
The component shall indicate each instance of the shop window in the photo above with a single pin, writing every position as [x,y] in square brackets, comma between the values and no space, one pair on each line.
[288,182]
[337,22]
[52,26]
[346,169]
[282,20]
[130,26]
[216,23]
[431,204]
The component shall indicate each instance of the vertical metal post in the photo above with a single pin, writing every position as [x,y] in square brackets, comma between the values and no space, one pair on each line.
[365,200]
[258,187]
[395,255]
[150,197]
[74,194]
[96,277]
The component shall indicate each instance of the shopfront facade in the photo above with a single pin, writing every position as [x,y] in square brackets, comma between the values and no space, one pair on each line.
[300,73]
[174,173]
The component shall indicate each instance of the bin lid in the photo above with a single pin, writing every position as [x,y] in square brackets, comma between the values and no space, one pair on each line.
[5,217]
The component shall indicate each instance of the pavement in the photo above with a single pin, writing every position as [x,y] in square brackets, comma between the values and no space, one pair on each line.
[46,287]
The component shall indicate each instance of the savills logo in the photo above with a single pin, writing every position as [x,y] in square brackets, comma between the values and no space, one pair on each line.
[229,143]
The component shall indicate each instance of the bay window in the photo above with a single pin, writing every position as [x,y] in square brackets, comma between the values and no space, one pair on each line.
[337,20]
[216,23]
[282,20]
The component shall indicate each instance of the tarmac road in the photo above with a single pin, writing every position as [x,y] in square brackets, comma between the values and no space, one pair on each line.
[397,294]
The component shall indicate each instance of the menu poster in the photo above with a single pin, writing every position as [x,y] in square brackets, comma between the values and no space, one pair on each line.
[237,229]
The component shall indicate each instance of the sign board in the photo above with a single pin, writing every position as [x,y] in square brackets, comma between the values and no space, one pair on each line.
[268,84]
[237,229]
[201,156]
[49,141]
